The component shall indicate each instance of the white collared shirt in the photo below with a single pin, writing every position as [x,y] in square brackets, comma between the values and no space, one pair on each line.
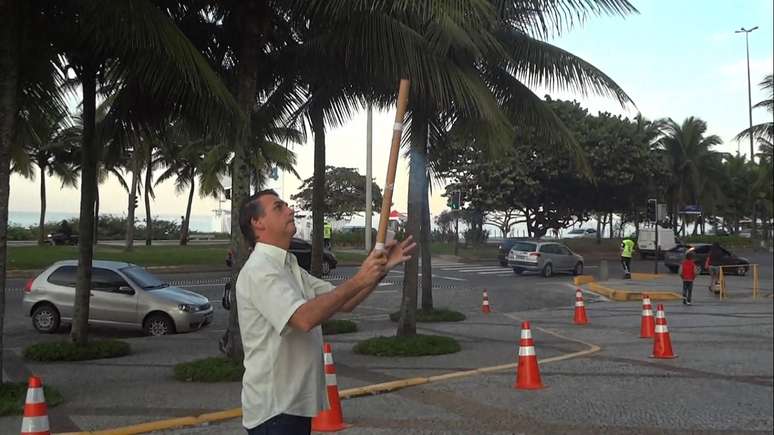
[283,366]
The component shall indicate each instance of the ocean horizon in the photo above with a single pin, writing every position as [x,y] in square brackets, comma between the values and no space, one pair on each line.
[26,219]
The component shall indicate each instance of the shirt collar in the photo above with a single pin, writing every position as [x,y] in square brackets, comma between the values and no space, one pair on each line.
[271,251]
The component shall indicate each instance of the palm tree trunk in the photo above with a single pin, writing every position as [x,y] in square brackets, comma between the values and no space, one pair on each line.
[599,229]
[318,189]
[148,179]
[9,82]
[187,222]
[407,324]
[427,265]
[96,214]
[130,214]
[611,226]
[42,222]
[89,164]
[252,15]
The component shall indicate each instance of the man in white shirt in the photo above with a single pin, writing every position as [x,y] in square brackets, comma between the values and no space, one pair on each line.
[281,307]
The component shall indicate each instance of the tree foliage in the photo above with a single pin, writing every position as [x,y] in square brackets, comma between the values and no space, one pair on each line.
[346,190]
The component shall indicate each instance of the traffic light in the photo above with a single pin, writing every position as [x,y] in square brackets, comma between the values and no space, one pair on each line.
[227,192]
[135,201]
[651,211]
[274,173]
[456,200]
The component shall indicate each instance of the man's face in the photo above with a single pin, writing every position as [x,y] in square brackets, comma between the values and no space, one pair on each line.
[278,219]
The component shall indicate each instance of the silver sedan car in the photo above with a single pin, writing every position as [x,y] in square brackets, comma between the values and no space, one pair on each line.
[544,257]
[122,294]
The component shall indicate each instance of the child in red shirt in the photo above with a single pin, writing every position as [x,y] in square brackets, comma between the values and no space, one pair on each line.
[688,273]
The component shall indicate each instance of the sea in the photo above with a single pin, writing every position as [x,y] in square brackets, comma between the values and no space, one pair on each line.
[202,223]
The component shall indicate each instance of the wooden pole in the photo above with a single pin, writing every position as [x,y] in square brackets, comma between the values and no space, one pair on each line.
[397,131]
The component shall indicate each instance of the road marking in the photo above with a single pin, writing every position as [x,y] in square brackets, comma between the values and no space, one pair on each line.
[385,291]
[499,272]
[481,269]
[450,278]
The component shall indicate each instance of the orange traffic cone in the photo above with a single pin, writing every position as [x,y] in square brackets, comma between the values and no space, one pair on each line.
[580,309]
[662,344]
[485,308]
[330,420]
[35,420]
[647,325]
[527,372]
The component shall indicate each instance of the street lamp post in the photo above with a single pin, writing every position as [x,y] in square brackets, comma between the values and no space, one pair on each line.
[749,92]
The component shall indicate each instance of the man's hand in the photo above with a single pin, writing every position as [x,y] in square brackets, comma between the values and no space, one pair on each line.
[373,268]
[399,253]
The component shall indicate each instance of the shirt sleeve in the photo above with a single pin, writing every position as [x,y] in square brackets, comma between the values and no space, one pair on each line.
[276,299]
[319,286]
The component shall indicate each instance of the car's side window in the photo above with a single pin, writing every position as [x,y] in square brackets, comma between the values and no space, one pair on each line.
[106,280]
[546,249]
[64,276]
[564,251]
[702,249]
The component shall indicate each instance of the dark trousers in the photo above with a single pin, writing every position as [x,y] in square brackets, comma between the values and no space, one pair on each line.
[283,424]
[687,290]
[626,262]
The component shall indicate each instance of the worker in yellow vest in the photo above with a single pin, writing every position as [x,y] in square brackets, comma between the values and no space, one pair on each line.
[627,250]
[327,233]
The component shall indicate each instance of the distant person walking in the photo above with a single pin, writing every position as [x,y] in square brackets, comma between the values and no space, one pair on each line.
[327,233]
[627,250]
[688,273]
[713,264]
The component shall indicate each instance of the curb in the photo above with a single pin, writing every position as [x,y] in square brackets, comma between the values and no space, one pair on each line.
[624,295]
[582,279]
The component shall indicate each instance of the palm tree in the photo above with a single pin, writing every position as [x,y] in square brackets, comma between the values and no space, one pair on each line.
[763,132]
[108,45]
[47,141]
[687,153]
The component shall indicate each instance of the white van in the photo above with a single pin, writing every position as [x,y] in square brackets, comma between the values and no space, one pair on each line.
[646,240]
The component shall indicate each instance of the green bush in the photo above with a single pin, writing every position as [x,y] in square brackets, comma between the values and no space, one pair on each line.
[215,369]
[12,398]
[416,345]
[18,232]
[725,241]
[67,351]
[338,327]
[438,315]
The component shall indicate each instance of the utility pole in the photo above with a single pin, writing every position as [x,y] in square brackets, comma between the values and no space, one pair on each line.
[749,92]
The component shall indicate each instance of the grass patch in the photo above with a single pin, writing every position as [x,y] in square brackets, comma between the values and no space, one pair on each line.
[416,345]
[481,252]
[338,327]
[350,257]
[67,351]
[436,315]
[12,398]
[216,369]
[39,257]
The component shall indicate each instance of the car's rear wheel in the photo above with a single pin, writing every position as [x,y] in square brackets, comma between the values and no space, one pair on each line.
[548,270]
[45,318]
[578,270]
[504,263]
[518,270]
[158,324]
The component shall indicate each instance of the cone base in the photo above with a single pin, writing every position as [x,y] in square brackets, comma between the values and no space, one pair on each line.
[530,387]
[331,428]
[663,357]
[646,336]
[581,323]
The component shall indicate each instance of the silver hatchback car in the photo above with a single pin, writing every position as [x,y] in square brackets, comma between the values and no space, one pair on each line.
[122,294]
[544,257]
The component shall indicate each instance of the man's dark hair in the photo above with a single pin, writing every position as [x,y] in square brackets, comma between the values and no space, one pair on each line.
[251,209]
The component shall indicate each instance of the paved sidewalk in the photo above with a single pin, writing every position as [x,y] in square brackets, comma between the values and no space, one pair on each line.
[721,381]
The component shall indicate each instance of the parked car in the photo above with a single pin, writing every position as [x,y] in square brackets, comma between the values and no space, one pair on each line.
[579,233]
[122,294]
[303,252]
[544,257]
[59,238]
[674,257]
[504,248]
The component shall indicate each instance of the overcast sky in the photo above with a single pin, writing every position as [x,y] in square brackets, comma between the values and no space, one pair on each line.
[677,58]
